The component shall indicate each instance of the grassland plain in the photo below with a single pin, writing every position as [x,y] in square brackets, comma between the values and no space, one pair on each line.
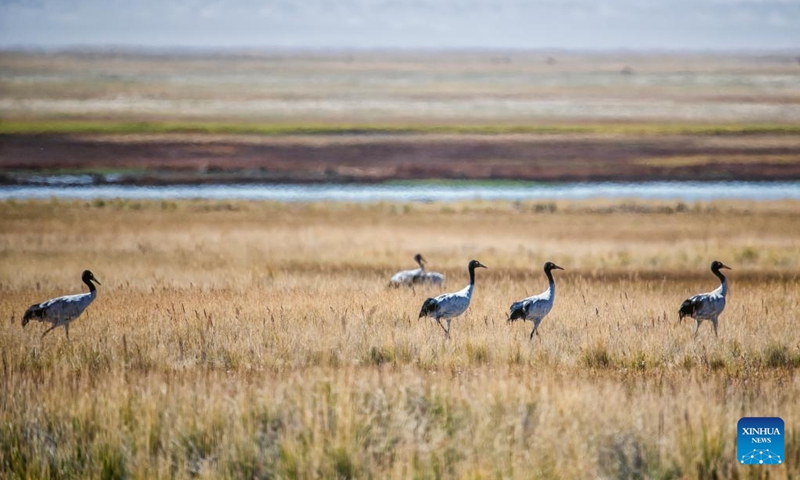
[248,339]
[399,87]
[166,117]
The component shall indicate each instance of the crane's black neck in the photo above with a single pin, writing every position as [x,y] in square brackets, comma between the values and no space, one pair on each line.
[88,281]
[723,287]
[472,274]
[719,275]
[549,274]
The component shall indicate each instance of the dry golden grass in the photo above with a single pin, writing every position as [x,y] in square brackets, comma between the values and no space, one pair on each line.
[245,339]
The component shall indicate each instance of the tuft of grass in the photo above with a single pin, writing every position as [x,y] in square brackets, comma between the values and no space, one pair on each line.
[779,356]
[776,356]
[112,463]
[342,464]
[380,355]
[624,455]
[597,356]
[477,354]
[717,362]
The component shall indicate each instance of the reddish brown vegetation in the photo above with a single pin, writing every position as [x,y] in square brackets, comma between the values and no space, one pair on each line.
[364,158]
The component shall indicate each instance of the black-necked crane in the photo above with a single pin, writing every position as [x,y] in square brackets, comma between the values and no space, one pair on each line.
[707,306]
[433,278]
[417,276]
[537,307]
[450,305]
[61,311]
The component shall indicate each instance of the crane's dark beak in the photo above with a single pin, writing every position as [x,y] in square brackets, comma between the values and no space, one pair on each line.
[96,280]
[725,267]
[556,267]
[482,265]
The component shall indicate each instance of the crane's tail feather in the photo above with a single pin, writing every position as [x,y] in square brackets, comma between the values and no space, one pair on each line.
[428,307]
[34,312]
[517,312]
[688,309]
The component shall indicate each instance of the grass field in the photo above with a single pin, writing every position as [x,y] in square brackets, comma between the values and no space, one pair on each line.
[260,340]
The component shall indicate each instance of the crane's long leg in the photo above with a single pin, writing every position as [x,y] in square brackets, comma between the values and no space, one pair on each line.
[448,329]
[697,327]
[66,330]
[49,330]
[535,330]
[443,329]
[714,322]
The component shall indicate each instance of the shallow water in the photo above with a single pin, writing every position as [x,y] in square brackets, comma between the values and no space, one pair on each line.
[685,191]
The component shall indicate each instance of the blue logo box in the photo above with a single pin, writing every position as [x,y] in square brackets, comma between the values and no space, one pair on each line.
[760,441]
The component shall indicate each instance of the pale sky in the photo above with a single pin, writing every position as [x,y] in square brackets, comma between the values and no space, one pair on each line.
[437,24]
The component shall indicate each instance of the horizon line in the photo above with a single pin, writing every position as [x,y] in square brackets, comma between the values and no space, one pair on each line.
[245,49]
